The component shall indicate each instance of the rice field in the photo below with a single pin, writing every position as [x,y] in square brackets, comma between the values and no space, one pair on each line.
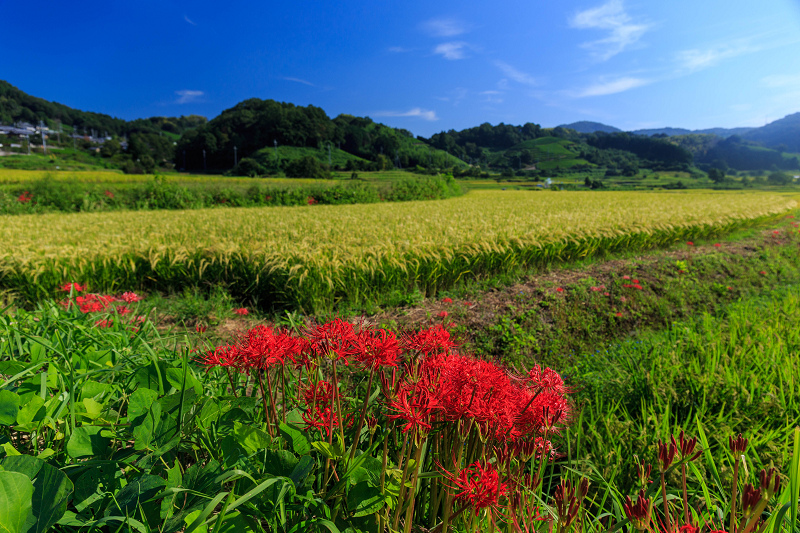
[313,258]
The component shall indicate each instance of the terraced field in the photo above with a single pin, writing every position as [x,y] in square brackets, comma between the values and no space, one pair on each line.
[315,257]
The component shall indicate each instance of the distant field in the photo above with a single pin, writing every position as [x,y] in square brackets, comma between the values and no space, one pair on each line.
[314,257]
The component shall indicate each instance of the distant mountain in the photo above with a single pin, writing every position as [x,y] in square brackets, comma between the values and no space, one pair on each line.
[585,126]
[720,132]
[785,131]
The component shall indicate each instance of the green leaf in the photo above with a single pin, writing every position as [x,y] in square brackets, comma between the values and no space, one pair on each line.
[144,414]
[51,491]
[9,407]
[16,505]
[280,463]
[297,438]
[140,402]
[32,411]
[137,492]
[87,441]
[9,449]
[364,499]
[330,451]
[250,438]
[301,471]
[93,408]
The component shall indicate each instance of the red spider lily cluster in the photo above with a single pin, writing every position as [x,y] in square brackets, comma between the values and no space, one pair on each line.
[109,194]
[242,311]
[311,200]
[25,197]
[100,303]
[484,426]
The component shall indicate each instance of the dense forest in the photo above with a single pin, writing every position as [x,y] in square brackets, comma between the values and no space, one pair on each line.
[258,137]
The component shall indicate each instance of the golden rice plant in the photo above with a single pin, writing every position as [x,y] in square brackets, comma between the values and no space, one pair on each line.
[317,256]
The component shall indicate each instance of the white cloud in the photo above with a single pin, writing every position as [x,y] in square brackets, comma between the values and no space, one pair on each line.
[697,59]
[298,80]
[611,16]
[612,87]
[781,80]
[188,97]
[398,49]
[190,21]
[451,51]
[424,114]
[444,27]
[516,75]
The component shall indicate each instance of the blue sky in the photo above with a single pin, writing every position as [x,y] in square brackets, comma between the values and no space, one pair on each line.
[425,66]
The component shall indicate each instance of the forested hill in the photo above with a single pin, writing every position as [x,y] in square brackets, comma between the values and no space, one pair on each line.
[252,127]
[18,106]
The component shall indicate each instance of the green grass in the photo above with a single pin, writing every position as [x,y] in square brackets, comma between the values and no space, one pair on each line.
[339,158]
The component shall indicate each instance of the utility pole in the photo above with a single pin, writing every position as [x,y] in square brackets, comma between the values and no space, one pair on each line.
[204,160]
[235,157]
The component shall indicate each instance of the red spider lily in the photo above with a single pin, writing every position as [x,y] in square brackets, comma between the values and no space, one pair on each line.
[25,197]
[93,303]
[666,453]
[737,444]
[606,294]
[546,380]
[688,528]
[638,513]
[131,297]
[626,277]
[241,311]
[442,314]
[763,272]
[435,339]
[311,200]
[76,287]
[263,347]
[687,446]
[597,288]
[730,288]
[333,339]
[415,410]
[105,323]
[374,349]
[717,245]
[200,328]
[568,502]
[479,486]
[690,243]
[320,418]
[223,356]
[109,194]
[319,394]
[559,289]
[635,281]
[122,310]
[447,300]
[618,314]
[776,232]
[468,304]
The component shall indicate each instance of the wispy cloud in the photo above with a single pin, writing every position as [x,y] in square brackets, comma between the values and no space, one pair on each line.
[188,97]
[452,51]
[424,114]
[398,49]
[611,16]
[612,86]
[777,81]
[699,59]
[190,21]
[298,80]
[444,27]
[516,75]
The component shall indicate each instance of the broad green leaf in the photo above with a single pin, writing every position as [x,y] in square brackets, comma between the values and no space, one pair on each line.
[280,463]
[175,378]
[87,441]
[9,407]
[364,499]
[51,491]
[24,464]
[250,438]
[93,408]
[140,402]
[301,471]
[9,449]
[32,411]
[16,502]
[297,438]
